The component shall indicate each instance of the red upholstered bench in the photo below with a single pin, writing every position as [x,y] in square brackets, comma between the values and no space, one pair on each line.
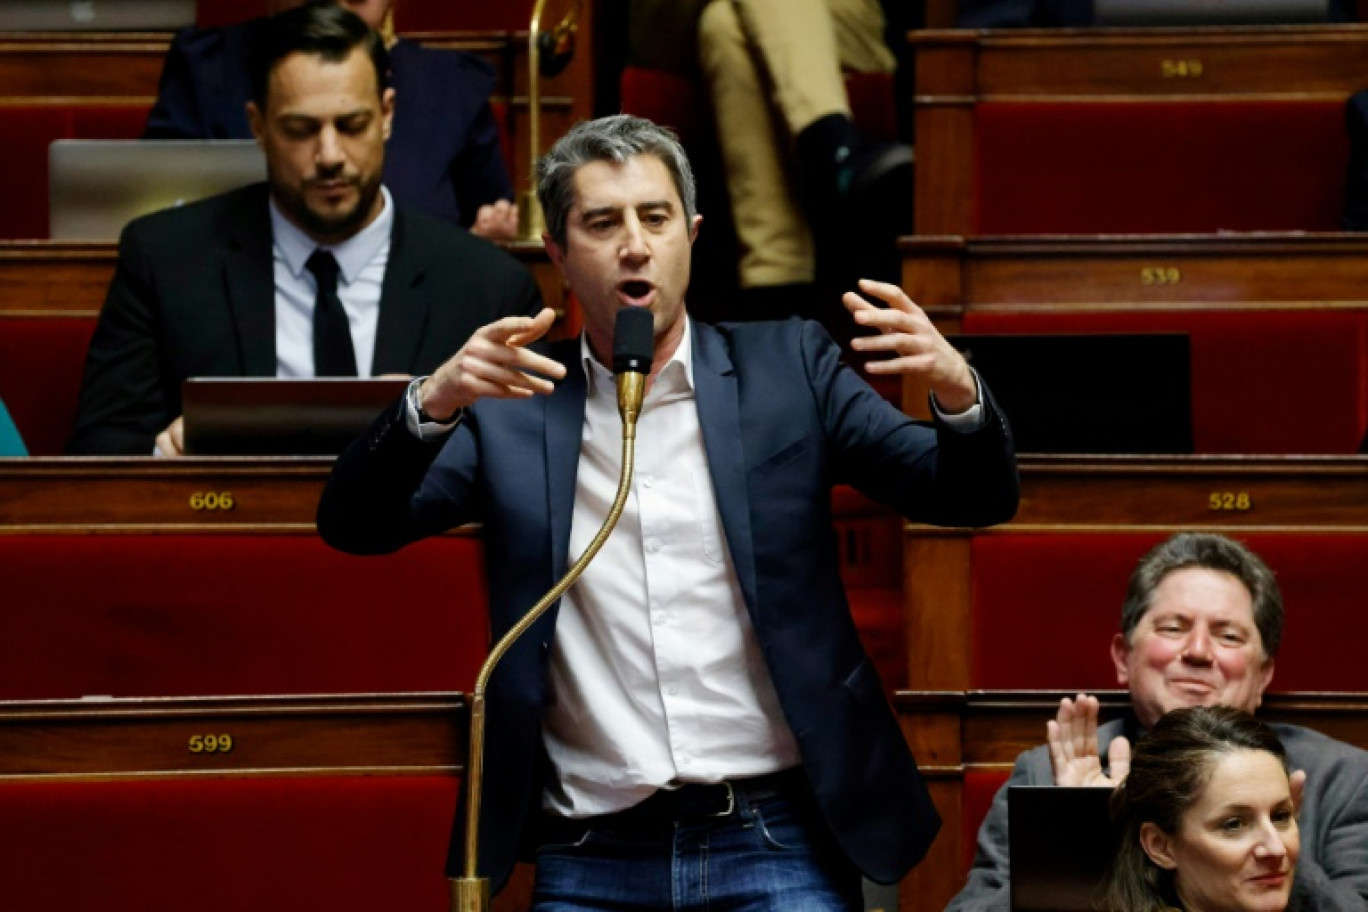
[41,359]
[346,844]
[28,131]
[1046,606]
[1166,167]
[979,788]
[218,614]
[1242,398]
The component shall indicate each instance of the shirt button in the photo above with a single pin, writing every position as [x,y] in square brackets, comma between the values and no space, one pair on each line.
[672,690]
[659,618]
[652,546]
[648,480]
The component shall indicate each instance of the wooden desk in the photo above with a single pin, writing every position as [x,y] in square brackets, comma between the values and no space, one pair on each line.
[70,278]
[1102,496]
[362,734]
[958,70]
[955,276]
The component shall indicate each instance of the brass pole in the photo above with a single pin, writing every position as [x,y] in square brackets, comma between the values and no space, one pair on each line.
[531,221]
[470,892]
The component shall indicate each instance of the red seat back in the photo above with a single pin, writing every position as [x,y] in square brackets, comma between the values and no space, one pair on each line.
[346,844]
[41,359]
[1160,167]
[1045,608]
[191,615]
[28,131]
[979,788]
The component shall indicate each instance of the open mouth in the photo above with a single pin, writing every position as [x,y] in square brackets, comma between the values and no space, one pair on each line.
[637,292]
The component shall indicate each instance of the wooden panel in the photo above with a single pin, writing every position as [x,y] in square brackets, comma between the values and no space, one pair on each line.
[363,734]
[1287,62]
[957,69]
[278,494]
[60,278]
[951,276]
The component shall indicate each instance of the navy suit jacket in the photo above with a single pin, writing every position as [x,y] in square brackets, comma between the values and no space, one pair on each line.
[193,295]
[444,155]
[783,420]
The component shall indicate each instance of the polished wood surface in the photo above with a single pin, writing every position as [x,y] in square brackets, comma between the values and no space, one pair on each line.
[957,69]
[65,278]
[371,734]
[952,276]
[138,494]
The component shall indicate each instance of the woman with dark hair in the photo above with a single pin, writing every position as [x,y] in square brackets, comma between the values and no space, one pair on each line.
[1207,818]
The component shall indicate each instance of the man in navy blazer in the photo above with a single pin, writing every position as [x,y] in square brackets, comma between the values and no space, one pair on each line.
[444,156]
[696,724]
[222,288]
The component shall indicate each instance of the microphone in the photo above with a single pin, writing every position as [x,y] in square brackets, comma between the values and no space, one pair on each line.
[633,349]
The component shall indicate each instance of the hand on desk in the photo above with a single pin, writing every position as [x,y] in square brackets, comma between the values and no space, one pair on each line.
[917,347]
[1072,736]
[171,442]
[493,364]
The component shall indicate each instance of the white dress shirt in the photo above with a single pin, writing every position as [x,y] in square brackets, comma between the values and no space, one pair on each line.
[361,261]
[656,675]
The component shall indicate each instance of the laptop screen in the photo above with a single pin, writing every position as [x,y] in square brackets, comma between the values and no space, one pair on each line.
[96,186]
[1060,845]
[229,416]
[103,15]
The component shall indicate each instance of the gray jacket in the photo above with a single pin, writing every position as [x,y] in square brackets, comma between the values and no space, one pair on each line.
[1332,872]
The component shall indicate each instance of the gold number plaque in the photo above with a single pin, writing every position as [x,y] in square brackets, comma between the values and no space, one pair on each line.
[1181,69]
[212,500]
[1160,275]
[1230,500]
[211,744]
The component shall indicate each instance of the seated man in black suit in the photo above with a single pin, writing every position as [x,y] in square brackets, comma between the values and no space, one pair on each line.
[315,273]
[445,155]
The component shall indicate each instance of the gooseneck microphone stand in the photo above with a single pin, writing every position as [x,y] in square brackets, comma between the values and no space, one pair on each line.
[632,352]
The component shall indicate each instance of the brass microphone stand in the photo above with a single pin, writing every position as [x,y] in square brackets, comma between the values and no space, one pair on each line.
[469,892]
[531,220]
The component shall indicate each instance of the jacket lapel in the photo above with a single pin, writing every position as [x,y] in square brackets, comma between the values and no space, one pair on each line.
[564,422]
[249,281]
[719,415]
[404,311]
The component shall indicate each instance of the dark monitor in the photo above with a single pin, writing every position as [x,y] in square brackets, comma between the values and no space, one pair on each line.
[1089,393]
[1209,12]
[1060,845]
[233,416]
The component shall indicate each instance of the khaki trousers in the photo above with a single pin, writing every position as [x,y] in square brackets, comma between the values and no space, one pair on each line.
[773,67]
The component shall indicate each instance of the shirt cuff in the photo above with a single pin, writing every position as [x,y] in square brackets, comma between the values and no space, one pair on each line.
[969,420]
[414,419]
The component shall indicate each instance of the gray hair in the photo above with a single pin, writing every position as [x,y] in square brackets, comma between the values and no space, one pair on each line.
[611,139]
[1209,552]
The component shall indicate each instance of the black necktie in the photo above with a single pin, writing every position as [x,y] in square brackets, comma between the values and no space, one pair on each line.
[332,342]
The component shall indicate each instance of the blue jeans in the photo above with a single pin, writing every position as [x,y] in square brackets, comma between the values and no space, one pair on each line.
[772,856]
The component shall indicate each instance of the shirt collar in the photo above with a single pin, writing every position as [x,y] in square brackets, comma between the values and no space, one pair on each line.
[678,371]
[352,254]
